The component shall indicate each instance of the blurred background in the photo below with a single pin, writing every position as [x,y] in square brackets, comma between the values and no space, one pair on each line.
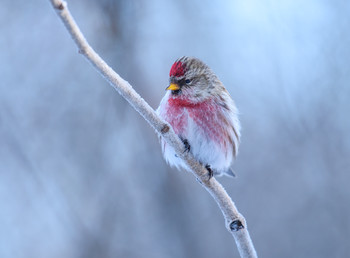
[82,175]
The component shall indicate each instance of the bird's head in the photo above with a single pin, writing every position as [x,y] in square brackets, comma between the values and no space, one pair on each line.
[192,80]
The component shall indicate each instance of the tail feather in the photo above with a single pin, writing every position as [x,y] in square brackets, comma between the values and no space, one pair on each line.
[230,173]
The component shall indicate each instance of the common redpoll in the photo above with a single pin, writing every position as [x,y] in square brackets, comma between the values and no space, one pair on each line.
[203,114]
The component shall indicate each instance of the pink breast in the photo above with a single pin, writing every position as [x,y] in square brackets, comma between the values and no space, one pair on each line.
[205,114]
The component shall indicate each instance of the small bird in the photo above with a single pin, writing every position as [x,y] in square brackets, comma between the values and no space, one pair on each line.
[204,116]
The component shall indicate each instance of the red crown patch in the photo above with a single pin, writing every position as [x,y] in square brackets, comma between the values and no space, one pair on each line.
[177,69]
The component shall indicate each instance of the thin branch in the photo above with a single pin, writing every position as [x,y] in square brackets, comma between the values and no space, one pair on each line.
[235,222]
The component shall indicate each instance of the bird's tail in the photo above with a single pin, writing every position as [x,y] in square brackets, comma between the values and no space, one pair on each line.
[229,173]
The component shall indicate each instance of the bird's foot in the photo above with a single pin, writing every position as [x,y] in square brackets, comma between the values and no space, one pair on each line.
[187,145]
[210,171]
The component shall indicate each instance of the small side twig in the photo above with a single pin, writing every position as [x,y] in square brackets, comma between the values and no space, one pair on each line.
[235,222]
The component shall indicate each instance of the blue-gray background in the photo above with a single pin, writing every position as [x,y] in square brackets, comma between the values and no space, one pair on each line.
[81,173]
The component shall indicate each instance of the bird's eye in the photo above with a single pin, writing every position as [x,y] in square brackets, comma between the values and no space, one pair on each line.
[188,81]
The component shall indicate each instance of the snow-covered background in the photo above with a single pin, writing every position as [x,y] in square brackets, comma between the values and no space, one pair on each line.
[81,173]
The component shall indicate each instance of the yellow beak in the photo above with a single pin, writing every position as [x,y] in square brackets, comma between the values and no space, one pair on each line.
[173,86]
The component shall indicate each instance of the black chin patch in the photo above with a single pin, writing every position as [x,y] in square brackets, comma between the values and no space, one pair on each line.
[175,92]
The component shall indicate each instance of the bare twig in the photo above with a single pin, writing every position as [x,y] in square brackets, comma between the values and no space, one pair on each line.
[235,222]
